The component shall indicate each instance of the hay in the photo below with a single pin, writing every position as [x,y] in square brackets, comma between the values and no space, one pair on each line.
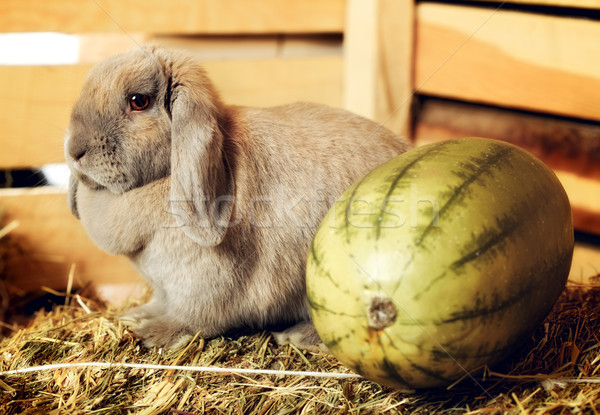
[557,371]
[4,292]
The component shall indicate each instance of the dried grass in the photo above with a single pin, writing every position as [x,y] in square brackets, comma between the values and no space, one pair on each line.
[556,372]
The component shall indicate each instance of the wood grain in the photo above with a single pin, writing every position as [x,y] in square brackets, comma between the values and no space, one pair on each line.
[585,264]
[172,17]
[584,4]
[48,240]
[378,51]
[571,148]
[511,59]
[36,101]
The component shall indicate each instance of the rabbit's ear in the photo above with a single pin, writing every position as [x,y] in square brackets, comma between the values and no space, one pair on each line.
[202,185]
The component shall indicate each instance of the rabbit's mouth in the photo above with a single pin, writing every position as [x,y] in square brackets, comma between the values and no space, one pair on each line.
[85,179]
[97,177]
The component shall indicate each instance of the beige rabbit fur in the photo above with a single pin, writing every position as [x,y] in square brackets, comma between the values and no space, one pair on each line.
[215,205]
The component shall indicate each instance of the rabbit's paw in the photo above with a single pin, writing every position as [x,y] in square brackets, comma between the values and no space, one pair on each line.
[162,333]
[134,316]
[303,335]
[156,331]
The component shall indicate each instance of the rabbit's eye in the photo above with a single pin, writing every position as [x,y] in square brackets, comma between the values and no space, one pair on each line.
[139,102]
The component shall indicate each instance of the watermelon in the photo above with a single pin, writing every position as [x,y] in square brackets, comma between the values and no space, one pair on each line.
[439,262]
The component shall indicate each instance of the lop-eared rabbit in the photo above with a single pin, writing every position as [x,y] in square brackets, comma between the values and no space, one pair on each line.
[214,204]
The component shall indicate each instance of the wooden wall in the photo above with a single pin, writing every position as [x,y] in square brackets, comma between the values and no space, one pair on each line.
[260,53]
[529,76]
[525,71]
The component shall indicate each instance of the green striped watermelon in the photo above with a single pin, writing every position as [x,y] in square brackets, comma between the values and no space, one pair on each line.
[439,262]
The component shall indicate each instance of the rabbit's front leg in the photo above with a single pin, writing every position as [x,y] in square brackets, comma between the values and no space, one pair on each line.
[160,332]
[121,224]
[155,323]
[152,323]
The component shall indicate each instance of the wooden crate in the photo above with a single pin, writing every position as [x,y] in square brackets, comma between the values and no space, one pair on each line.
[493,68]
[286,51]
[257,39]
[523,71]
[508,58]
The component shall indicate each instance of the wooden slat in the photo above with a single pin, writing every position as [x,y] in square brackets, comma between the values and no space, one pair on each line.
[572,149]
[242,47]
[378,51]
[279,81]
[175,16]
[507,58]
[584,4]
[49,240]
[584,195]
[36,101]
[586,263]
[34,112]
[98,46]
[564,144]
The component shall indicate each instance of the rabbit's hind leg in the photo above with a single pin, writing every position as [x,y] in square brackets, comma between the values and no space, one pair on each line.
[303,335]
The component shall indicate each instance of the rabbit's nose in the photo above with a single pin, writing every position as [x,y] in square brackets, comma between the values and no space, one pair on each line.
[75,157]
[75,150]
[79,155]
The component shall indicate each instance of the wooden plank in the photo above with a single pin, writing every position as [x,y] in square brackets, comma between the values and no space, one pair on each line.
[95,47]
[34,112]
[36,101]
[378,50]
[48,240]
[175,16]
[279,81]
[584,195]
[506,58]
[586,262]
[564,144]
[571,148]
[583,4]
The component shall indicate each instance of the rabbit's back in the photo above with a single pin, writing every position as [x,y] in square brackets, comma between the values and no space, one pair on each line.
[304,148]
[296,161]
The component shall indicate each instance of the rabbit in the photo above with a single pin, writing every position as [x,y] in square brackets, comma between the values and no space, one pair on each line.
[215,205]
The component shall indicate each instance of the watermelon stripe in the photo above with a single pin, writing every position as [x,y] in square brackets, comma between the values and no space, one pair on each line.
[320,307]
[390,368]
[468,354]
[482,312]
[540,270]
[440,352]
[500,153]
[326,274]
[349,206]
[431,373]
[333,342]
[313,255]
[492,241]
[492,238]
[399,176]
[474,313]
[488,240]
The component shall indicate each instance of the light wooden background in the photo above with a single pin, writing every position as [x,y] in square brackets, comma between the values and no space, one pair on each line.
[429,71]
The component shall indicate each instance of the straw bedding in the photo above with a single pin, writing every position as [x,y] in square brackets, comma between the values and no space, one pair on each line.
[557,370]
